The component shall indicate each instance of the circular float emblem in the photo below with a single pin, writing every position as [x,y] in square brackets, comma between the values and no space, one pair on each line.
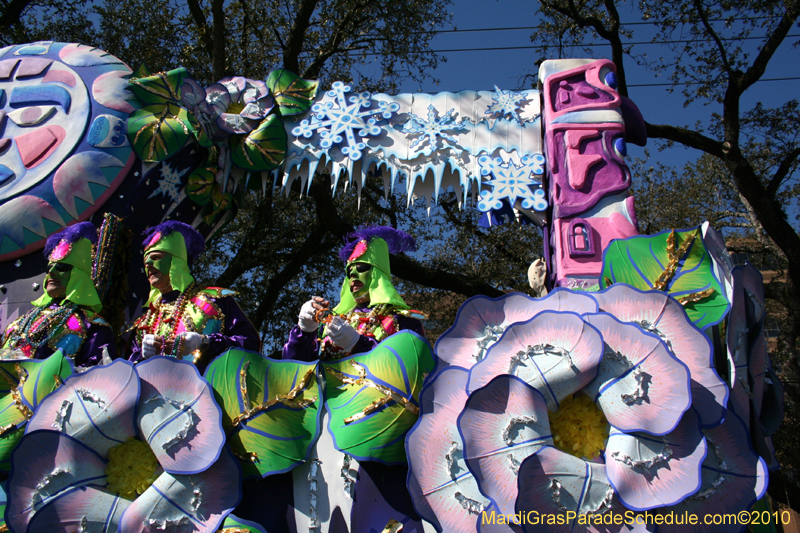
[63,148]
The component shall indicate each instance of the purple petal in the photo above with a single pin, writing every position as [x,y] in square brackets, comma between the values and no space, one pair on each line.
[45,466]
[218,98]
[90,507]
[443,490]
[649,472]
[254,90]
[556,353]
[258,109]
[192,94]
[96,407]
[733,479]
[199,502]
[656,312]
[502,424]
[235,124]
[235,85]
[641,386]
[481,320]
[553,482]
[178,415]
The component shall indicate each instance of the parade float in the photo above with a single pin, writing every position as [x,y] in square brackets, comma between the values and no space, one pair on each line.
[638,381]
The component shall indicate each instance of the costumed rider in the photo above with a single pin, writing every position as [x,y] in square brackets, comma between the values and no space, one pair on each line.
[66,316]
[370,309]
[183,320]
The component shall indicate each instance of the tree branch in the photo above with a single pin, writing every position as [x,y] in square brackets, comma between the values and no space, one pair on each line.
[202,26]
[407,268]
[687,137]
[782,172]
[297,36]
[720,47]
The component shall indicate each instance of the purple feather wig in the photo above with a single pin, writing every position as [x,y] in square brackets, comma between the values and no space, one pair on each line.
[81,230]
[195,244]
[397,240]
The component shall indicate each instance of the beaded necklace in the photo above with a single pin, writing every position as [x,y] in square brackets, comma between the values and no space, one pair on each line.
[370,324]
[38,324]
[167,313]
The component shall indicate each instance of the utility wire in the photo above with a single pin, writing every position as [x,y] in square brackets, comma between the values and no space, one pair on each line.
[590,45]
[700,83]
[641,23]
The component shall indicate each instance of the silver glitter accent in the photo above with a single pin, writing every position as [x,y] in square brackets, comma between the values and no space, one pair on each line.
[642,385]
[164,524]
[605,505]
[90,397]
[513,464]
[62,415]
[608,353]
[18,263]
[720,479]
[538,349]
[197,495]
[83,527]
[313,520]
[450,459]
[40,493]
[658,459]
[647,326]
[513,426]
[555,490]
[191,420]
[35,286]
[348,478]
[491,334]
[472,506]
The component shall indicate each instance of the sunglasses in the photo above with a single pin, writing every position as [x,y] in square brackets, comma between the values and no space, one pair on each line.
[59,267]
[361,267]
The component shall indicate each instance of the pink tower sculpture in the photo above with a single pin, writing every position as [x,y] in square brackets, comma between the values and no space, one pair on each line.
[587,126]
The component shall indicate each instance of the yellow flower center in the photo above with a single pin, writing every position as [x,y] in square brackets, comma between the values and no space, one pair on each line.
[131,468]
[235,108]
[579,427]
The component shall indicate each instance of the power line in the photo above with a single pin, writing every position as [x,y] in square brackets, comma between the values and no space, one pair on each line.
[700,83]
[590,45]
[640,23]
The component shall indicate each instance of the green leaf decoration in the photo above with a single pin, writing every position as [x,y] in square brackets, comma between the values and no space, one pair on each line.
[159,88]
[233,524]
[159,131]
[220,204]
[201,184]
[142,72]
[17,404]
[293,94]
[373,398]
[264,148]
[274,419]
[675,262]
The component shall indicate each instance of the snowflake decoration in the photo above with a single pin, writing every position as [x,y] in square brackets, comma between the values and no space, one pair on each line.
[431,130]
[513,183]
[508,104]
[171,183]
[357,117]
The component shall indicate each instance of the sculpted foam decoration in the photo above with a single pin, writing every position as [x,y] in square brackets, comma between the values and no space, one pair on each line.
[55,146]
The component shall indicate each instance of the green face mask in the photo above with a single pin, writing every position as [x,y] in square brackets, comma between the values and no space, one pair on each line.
[161,264]
[60,272]
[359,272]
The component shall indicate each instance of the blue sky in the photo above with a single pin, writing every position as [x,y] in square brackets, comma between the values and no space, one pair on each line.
[482,70]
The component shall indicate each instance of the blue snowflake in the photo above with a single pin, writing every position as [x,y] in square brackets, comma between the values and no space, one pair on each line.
[171,182]
[433,129]
[512,182]
[357,117]
[508,104]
